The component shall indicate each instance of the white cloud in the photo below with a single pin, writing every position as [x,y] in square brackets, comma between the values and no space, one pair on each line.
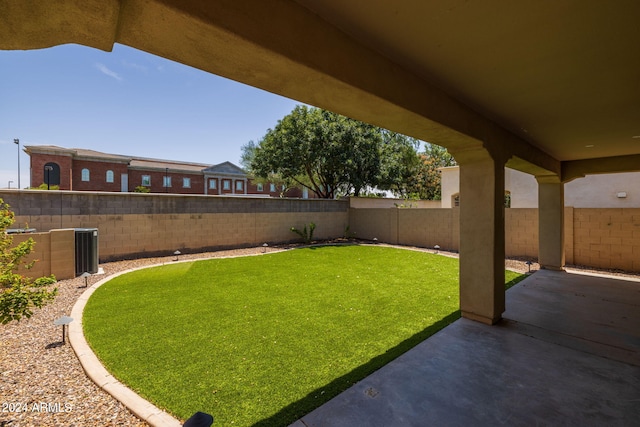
[103,68]
[135,66]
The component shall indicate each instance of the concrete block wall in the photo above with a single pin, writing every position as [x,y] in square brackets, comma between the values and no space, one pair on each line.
[381,224]
[521,232]
[427,228]
[601,238]
[54,253]
[132,224]
[607,238]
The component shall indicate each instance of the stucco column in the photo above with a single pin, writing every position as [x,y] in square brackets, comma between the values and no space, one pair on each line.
[481,237]
[551,223]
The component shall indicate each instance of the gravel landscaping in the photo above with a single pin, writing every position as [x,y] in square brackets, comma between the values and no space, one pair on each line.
[42,382]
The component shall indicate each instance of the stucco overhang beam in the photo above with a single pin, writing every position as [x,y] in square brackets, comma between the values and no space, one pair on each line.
[578,168]
[36,24]
[279,46]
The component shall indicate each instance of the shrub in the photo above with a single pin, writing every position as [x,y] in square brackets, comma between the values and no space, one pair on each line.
[142,189]
[306,234]
[44,186]
[19,295]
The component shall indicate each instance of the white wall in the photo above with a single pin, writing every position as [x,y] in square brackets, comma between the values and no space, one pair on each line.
[592,191]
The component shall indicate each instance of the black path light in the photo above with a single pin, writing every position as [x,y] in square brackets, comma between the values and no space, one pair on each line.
[436,248]
[529,263]
[264,247]
[177,255]
[86,276]
[64,321]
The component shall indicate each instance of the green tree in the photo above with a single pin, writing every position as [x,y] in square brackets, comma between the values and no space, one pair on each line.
[19,295]
[426,182]
[246,161]
[328,153]
[399,163]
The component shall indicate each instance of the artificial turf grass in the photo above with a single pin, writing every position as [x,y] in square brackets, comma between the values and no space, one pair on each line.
[266,339]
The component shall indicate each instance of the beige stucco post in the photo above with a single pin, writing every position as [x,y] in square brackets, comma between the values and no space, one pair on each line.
[482,247]
[551,223]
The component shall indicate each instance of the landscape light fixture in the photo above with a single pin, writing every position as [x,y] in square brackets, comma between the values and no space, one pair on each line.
[17,142]
[264,247]
[64,321]
[436,248]
[529,263]
[86,276]
[375,240]
[177,254]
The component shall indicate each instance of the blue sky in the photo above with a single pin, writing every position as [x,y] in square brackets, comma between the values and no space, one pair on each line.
[125,102]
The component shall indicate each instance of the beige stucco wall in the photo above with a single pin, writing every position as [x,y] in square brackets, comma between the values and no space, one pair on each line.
[450,184]
[592,191]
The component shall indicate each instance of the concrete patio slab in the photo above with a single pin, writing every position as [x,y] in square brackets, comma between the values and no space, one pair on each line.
[548,363]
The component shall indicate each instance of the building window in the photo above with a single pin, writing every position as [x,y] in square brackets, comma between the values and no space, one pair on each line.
[239,186]
[85,174]
[166,181]
[186,182]
[213,184]
[109,176]
[226,184]
[259,187]
[146,180]
[272,188]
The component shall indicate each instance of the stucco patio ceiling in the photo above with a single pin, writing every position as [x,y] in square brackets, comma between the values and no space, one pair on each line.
[548,82]
[564,75]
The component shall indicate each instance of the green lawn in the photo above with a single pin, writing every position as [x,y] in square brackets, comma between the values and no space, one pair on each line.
[265,339]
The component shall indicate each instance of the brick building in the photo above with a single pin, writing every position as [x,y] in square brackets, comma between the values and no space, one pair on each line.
[88,170]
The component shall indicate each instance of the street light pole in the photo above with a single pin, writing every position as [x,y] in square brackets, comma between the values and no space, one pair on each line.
[17,142]
[48,168]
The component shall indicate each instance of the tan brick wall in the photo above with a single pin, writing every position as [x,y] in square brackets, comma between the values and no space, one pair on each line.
[54,252]
[607,238]
[521,232]
[135,225]
[602,238]
[41,253]
[381,224]
[132,225]
[426,228]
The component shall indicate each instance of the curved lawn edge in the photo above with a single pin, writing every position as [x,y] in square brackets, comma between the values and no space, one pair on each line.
[97,373]
[141,407]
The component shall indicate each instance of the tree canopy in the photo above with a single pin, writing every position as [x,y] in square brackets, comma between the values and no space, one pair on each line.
[334,155]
